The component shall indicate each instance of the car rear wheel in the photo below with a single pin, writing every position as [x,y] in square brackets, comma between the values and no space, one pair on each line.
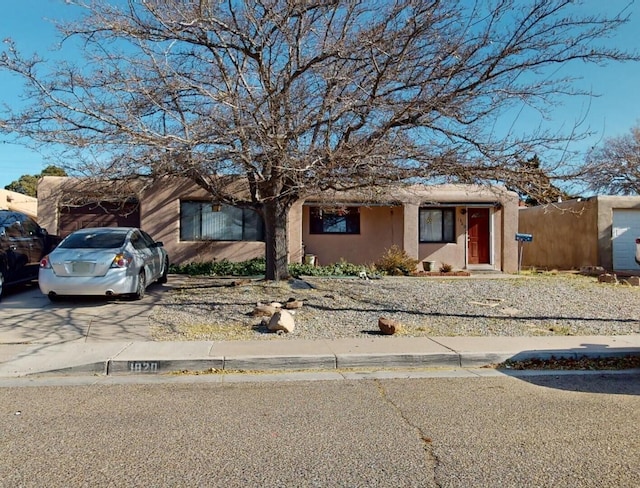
[165,272]
[140,287]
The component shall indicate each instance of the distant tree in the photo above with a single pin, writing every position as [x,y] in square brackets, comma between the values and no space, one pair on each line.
[532,183]
[614,167]
[28,184]
[297,97]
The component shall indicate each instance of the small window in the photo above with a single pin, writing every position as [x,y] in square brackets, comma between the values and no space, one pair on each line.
[437,225]
[203,221]
[340,220]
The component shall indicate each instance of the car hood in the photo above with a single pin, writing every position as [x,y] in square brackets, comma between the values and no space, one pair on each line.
[82,262]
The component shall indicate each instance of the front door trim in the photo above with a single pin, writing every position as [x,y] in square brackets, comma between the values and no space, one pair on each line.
[479,237]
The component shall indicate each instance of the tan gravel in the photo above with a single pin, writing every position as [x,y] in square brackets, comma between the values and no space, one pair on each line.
[212,308]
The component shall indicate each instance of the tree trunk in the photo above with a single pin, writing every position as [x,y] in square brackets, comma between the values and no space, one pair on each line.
[276,226]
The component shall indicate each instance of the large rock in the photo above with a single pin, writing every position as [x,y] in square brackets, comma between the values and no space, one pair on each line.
[389,326]
[281,320]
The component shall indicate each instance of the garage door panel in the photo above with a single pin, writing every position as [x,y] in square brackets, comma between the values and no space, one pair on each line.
[98,215]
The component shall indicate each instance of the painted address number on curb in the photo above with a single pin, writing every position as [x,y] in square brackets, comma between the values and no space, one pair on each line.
[143,366]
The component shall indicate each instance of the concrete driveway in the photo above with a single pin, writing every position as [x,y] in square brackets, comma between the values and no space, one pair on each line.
[28,317]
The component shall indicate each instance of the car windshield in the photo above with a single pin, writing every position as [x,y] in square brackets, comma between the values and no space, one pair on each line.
[97,240]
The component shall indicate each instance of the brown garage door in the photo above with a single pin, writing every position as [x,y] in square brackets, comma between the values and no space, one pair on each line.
[104,214]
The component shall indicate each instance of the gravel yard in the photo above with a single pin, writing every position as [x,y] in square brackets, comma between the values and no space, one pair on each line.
[564,304]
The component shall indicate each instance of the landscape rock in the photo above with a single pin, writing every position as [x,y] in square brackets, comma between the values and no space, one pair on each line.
[607,278]
[293,304]
[389,326]
[282,321]
[263,310]
[592,270]
[632,281]
[240,282]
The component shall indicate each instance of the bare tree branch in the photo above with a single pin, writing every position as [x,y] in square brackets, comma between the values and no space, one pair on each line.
[614,167]
[301,97]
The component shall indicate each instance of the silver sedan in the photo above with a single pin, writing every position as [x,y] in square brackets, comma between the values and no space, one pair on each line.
[103,261]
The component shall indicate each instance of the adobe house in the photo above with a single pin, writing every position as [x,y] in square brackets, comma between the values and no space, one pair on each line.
[11,200]
[469,227]
[595,231]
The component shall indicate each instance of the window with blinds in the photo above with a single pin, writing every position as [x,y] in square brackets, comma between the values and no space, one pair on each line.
[203,221]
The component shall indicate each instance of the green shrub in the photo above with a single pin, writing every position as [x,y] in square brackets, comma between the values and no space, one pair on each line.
[252,267]
[224,267]
[396,262]
[257,266]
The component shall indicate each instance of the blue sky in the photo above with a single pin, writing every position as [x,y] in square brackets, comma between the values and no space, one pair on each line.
[612,114]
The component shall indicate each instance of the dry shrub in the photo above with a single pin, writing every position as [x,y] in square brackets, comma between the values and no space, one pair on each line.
[396,262]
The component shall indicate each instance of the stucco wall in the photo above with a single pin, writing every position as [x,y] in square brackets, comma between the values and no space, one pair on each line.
[378,233]
[11,200]
[380,228]
[506,225]
[160,217]
[453,253]
[606,205]
[392,220]
[48,203]
[565,235]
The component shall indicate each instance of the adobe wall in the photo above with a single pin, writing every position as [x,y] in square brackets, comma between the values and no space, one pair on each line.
[160,217]
[48,202]
[507,223]
[606,206]
[565,235]
[380,228]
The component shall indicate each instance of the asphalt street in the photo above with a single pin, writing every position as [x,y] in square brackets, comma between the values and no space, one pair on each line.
[542,431]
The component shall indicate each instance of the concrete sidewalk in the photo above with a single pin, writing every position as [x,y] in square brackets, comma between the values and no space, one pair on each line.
[112,337]
[377,353]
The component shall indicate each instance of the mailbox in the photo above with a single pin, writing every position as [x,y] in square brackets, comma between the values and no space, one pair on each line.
[524,237]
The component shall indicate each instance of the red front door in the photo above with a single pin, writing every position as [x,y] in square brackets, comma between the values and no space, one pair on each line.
[479,234]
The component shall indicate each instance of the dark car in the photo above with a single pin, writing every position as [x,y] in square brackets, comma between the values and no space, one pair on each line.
[23,243]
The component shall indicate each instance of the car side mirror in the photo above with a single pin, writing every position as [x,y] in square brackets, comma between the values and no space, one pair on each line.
[159,244]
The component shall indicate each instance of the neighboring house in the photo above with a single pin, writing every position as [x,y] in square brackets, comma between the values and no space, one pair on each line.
[11,200]
[468,227]
[595,231]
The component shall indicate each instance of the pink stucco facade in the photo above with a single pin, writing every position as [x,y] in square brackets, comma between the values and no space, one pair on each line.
[397,223]
[391,218]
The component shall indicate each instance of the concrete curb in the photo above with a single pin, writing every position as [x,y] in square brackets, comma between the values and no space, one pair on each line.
[151,358]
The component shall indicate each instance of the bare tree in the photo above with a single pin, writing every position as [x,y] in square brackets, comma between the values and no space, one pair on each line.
[298,96]
[614,167]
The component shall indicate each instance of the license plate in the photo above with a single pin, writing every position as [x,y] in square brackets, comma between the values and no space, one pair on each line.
[81,267]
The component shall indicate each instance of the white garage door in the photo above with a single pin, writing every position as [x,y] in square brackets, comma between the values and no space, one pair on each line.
[626,228]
